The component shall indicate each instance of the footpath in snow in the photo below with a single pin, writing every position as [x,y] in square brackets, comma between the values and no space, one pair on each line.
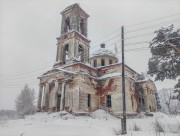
[99,123]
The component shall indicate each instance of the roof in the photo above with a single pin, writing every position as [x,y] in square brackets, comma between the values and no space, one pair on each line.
[55,71]
[103,51]
[72,6]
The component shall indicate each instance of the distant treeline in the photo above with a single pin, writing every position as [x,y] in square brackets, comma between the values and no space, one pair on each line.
[7,114]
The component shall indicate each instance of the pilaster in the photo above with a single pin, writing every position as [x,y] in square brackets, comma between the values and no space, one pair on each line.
[39,98]
[62,97]
[45,99]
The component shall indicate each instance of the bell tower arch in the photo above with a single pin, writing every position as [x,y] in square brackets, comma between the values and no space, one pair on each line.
[73,44]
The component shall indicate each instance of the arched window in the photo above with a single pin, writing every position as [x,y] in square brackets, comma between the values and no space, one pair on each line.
[66,53]
[82,26]
[102,62]
[81,53]
[67,25]
[95,63]
[110,61]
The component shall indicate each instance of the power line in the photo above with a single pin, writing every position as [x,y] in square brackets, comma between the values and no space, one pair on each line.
[94,47]
[35,83]
[127,51]
[137,49]
[105,36]
[105,41]
[20,76]
[7,84]
[17,82]
[140,29]
[136,43]
[140,23]
[153,20]
[25,71]
[139,35]
[152,26]
[18,86]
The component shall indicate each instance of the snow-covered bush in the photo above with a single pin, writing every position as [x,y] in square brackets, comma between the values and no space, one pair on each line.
[25,102]
[169,103]
[117,131]
[100,114]
[158,128]
[136,128]
[141,115]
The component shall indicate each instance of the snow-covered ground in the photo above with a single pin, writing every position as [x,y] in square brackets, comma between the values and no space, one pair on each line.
[98,124]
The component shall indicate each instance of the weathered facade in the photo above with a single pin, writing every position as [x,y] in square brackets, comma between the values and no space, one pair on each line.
[80,83]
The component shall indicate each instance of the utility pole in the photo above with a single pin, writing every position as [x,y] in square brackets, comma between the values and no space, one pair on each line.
[123,121]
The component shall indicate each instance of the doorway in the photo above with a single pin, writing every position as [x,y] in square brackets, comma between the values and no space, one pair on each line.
[58,102]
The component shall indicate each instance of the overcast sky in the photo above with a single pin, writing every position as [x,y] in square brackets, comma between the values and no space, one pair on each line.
[28,31]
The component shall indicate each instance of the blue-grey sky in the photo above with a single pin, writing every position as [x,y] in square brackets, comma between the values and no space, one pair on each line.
[28,31]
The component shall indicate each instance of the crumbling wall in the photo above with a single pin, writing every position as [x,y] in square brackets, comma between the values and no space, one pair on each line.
[116,68]
[112,86]
[87,86]
[72,95]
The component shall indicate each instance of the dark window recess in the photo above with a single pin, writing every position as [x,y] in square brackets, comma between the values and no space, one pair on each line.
[65,54]
[82,26]
[132,101]
[67,25]
[89,101]
[110,61]
[81,52]
[66,49]
[143,101]
[102,62]
[95,63]
[108,100]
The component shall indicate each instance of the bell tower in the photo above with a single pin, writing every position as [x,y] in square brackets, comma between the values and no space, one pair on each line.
[73,44]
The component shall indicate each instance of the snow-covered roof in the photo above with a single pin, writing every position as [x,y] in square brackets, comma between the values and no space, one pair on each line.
[56,71]
[144,80]
[67,71]
[103,51]
[110,75]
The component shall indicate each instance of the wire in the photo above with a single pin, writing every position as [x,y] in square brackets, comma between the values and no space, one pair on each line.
[136,43]
[7,84]
[139,35]
[25,71]
[96,47]
[135,49]
[151,26]
[136,25]
[148,27]
[153,20]
[20,77]
[105,36]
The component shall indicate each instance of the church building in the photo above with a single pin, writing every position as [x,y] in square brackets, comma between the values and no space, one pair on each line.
[80,83]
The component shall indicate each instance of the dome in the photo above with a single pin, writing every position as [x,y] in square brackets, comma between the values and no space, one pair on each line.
[103,51]
[103,57]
